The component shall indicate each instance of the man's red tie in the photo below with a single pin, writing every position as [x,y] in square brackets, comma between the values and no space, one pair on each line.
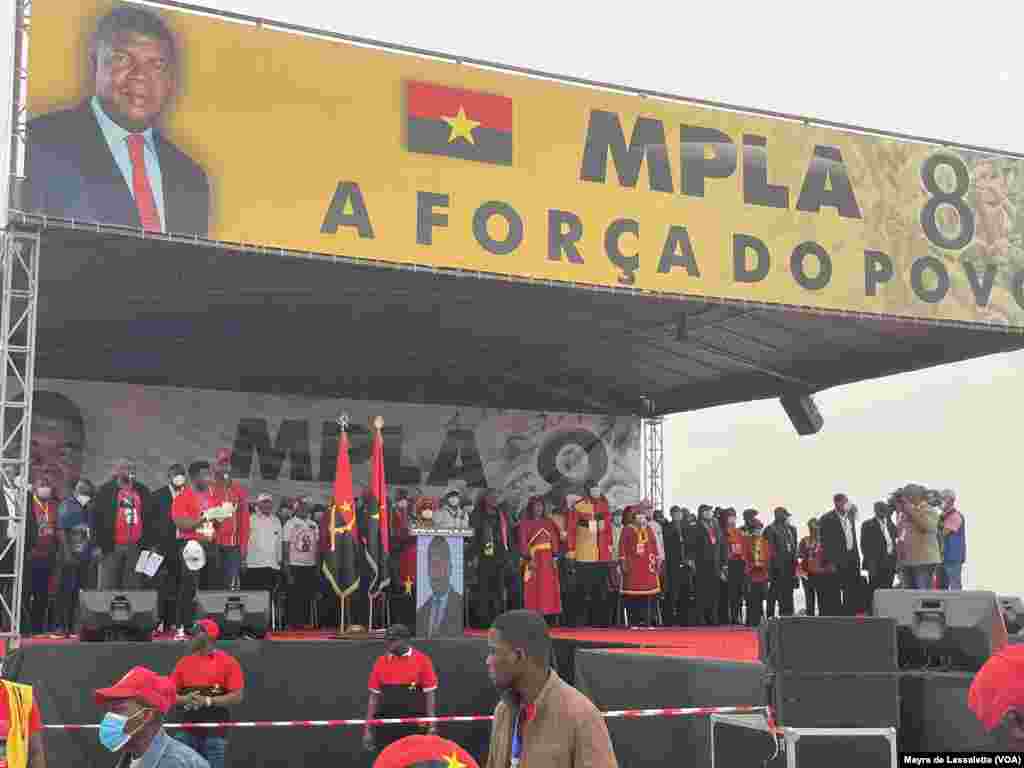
[149,217]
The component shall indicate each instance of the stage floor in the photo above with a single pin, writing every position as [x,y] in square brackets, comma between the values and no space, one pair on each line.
[724,643]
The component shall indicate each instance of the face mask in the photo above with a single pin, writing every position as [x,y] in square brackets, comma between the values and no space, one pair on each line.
[113,730]
[83,499]
[44,492]
[178,481]
[400,650]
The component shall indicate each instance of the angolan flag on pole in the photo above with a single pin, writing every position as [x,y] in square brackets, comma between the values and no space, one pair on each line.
[457,123]
[340,567]
[377,529]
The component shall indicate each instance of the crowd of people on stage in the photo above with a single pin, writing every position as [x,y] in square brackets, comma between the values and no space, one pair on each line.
[575,560]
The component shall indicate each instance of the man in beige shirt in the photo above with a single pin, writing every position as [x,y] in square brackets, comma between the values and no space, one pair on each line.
[541,721]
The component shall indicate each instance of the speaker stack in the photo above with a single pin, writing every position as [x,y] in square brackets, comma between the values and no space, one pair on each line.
[832,672]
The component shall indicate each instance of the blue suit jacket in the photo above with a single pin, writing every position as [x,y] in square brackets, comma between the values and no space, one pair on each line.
[71,174]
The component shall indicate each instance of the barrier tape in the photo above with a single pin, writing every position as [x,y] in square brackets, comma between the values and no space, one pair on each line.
[621,713]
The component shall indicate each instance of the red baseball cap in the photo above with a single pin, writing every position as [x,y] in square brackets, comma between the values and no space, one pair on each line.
[416,751]
[210,627]
[144,685]
[998,687]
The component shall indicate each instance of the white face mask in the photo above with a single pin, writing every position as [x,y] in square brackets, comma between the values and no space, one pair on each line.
[178,481]
[43,492]
[83,499]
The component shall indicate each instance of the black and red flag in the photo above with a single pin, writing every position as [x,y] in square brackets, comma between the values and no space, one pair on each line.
[340,566]
[469,125]
[377,529]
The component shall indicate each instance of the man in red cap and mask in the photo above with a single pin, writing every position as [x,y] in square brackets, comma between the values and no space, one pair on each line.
[207,682]
[996,696]
[134,724]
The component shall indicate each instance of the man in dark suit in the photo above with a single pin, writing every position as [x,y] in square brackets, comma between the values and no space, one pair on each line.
[841,586]
[161,536]
[783,539]
[672,534]
[442,613]
[105,161]
[878,545]
[710,554]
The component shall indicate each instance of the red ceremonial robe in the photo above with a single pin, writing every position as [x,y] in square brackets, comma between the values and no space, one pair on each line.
[639,554]
[542,591]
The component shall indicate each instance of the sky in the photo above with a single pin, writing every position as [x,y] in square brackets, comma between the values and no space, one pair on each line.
[909,67]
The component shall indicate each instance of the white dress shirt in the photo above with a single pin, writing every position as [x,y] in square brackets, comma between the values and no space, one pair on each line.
[844,518]
[264,542]
[885,535]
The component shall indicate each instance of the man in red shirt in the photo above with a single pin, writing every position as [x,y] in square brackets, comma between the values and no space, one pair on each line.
[118,519]
[232,533]
[42,557]
[402,684]
[193,515]
[19,710]
[208,681]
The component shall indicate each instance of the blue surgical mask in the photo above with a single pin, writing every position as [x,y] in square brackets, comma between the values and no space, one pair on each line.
[113,728]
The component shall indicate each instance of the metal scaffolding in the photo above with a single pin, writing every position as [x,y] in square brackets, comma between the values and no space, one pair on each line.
[18,302]
[654,461]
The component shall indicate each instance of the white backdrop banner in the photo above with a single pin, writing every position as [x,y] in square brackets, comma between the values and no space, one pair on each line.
[288,445]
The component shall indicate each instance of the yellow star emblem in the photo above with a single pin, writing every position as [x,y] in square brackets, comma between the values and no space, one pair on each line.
[452,761]
[462,127]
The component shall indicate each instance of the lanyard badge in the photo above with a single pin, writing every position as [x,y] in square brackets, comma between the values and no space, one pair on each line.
[517,740]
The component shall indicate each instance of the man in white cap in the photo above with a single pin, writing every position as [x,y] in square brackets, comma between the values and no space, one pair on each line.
[262,567]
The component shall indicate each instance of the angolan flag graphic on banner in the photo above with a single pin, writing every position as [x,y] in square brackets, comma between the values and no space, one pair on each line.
[458,123]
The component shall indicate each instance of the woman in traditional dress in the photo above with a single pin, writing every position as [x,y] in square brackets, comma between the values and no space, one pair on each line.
[538,544]
[638,553]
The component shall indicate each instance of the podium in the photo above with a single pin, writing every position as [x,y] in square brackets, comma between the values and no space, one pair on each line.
[440,583]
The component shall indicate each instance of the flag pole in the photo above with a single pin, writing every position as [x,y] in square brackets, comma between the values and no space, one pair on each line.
[342,624]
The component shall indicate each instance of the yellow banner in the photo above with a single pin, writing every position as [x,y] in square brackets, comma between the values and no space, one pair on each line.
[256,135]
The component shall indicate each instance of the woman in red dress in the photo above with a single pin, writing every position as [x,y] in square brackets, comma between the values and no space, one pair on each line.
[538,543]
[638,552]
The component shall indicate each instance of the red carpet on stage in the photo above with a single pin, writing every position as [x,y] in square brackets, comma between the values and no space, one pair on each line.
[725,643]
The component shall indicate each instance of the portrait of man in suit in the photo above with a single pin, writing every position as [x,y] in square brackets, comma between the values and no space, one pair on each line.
[106,161]
[440,613]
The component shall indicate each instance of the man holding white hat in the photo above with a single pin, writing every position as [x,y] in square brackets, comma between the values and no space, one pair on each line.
[195,512]
[262,567]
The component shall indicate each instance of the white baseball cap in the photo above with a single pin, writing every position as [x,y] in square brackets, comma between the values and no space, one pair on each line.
[194,555]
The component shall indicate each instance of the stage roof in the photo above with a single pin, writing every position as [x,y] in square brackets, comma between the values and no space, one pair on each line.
[120,307]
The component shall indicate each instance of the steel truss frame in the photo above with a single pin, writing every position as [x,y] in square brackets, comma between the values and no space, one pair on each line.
[19,300]
[654,461]
[19,252]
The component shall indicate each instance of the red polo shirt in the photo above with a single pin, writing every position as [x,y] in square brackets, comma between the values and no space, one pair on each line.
[208,670]
[233,532]
[411,669]
[190,505]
